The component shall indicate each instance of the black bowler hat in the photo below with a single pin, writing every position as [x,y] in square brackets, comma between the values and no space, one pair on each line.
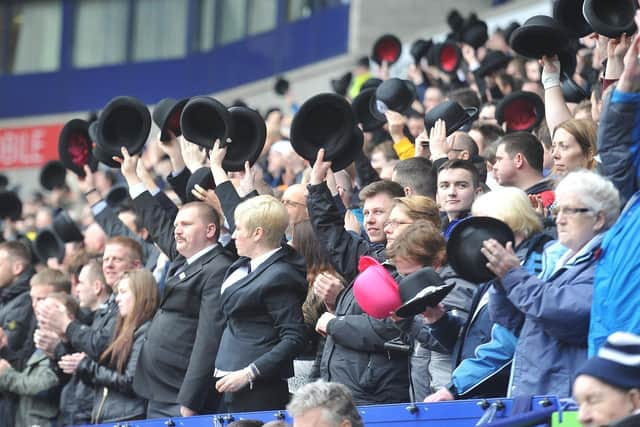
[540,35]
[420,48]
[465,242]
[521,111]
[75,147]
[10,205]
[446,56]
[166,116]
[611,18]
[452,113]
[386,48]
[247,140]
[104,157]
[124,122]
[572,92]
[341,84]
[202,177]
[48,245]
[66,228]
[117,196]
[474,32]
[362,109]
[394,94]
[373,82]
[323,121]
[568,13]
[507,32]
[205,119]
[53,175]
[421,289]
[495,60]
[350,153]
[281,87]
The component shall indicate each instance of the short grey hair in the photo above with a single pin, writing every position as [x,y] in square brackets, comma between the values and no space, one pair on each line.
[596,192]
[334,399]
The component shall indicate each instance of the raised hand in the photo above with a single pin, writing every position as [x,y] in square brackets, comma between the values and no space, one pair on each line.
[396,123]
[320,169]
[550,71]
[438,143]
[88,182]
[172,149]
[128,166]
[422,145]
[247,183]
[630,77]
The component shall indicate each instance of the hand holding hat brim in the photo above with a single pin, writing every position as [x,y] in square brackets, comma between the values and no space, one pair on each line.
[320,169]
[501,259]
[430,296]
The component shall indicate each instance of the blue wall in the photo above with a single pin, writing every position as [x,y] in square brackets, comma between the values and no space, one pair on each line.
[291,45]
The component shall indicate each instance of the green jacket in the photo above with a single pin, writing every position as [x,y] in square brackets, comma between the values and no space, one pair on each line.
[35,407]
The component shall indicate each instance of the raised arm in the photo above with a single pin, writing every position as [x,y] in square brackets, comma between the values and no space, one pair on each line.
[619,131]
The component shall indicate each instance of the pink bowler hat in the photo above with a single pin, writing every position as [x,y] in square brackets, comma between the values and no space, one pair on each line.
[375,290]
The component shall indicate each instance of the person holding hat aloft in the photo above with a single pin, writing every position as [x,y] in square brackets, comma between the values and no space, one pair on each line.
[112,222]
[607,387]
[616,296]
[555,307]
[351,334]
[419,245]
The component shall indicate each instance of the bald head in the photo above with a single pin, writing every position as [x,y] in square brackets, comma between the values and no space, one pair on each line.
[94,239]
[295,201]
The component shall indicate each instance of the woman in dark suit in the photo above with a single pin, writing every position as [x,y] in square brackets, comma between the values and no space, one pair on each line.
[262,296]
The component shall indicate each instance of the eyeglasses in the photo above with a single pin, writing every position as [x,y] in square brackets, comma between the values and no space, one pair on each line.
[292,204]
[394,223]
[564,210]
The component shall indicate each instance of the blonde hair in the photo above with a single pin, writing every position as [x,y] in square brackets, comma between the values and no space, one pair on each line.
[265,212]
[512,206]
[420,208]
[54,278]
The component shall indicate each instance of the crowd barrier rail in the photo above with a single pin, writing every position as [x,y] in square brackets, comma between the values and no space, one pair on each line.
[462,413]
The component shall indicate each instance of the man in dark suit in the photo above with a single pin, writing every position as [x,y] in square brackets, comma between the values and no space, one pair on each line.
[262,298]
[175,368]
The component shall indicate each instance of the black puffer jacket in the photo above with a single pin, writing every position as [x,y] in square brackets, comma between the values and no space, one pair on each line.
[115,399]
[354,353]
[17,320]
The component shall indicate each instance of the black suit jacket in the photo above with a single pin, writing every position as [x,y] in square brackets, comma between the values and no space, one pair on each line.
[176,360]
[264,316]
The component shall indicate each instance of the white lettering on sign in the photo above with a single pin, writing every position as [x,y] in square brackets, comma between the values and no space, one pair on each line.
[23,147]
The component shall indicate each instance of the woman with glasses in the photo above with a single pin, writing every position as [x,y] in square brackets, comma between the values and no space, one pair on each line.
[555,306]
[408,210]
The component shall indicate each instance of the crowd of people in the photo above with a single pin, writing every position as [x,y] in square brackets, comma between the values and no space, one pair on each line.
[203,290]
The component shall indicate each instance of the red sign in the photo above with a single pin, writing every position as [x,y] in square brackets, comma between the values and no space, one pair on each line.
[29,146]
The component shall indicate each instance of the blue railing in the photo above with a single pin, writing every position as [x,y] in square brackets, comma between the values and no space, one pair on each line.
[464,413]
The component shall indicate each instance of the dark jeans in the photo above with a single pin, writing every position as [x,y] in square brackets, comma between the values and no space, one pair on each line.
[269,394]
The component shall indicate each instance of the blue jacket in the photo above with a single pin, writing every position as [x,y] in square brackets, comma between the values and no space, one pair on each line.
[553,340]
[616,292]
[485,350]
